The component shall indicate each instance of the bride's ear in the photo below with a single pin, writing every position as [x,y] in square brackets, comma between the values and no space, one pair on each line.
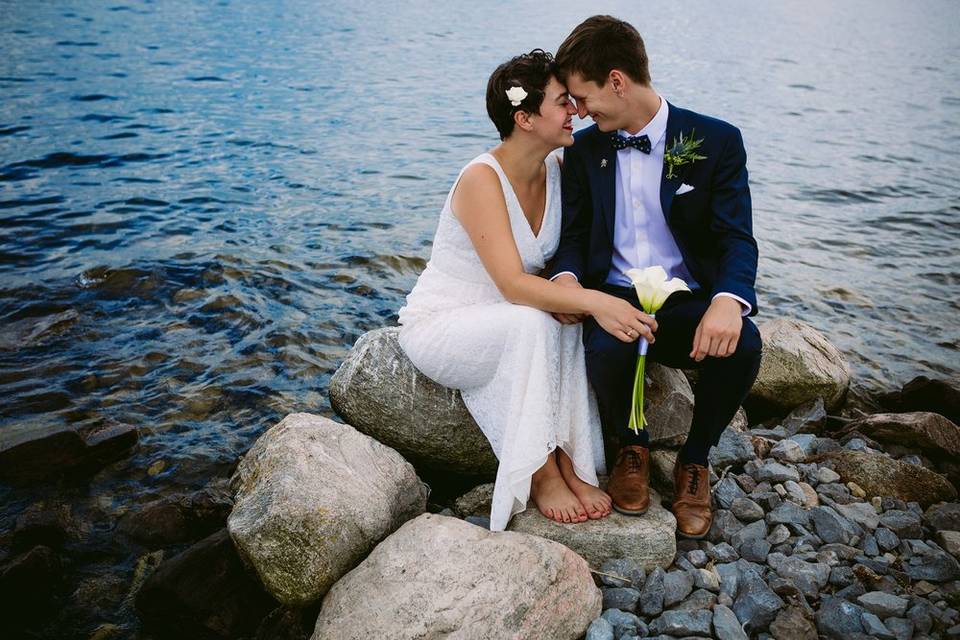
[522,120]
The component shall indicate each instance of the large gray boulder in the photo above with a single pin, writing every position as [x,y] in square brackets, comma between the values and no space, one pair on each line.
[379,391]
[880,475]
[438,576]
[799,365]
[649,540]
[313,497]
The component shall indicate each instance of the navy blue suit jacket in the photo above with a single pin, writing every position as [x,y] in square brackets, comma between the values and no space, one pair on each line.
[712,224]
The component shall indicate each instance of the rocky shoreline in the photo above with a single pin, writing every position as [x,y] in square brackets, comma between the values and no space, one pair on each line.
[837,517]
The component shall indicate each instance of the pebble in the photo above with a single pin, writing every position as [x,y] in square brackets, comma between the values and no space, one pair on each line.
[886,539]
[756,603]
[651,596]
[901,628]
[856,490]
[755,550]
[827,475]
[794,492]
[746,510]
[874,627]
[861,513]
[790,537]
[779,534]
[753,531]
[624,622]
[600,629]
[698,558]
[830,526]
[723,552]
[775,472]
[837,618]
[683,623]
[677,585]
[950,541]
[905,524]
[630,571]
[623,598]
[883,604]
[706,579]
[725,624]
[726,491]
[788,513]
[788,451]
[809,577]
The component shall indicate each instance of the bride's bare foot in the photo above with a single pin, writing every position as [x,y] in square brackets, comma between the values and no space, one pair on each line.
[552,496]
[596,501]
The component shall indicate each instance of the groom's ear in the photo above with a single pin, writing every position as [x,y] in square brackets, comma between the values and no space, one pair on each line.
[617,81]
[522,120]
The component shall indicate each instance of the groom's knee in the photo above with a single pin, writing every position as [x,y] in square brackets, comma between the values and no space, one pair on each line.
[607,356]
[750,346]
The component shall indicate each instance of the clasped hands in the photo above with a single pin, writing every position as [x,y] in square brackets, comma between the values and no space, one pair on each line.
[717,334]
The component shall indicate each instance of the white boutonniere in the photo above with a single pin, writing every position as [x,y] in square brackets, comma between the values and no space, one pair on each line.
[516,95]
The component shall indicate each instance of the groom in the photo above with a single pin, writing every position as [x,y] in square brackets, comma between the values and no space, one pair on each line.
[623,209]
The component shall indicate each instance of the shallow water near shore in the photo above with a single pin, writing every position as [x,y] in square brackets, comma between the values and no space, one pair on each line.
[204,205]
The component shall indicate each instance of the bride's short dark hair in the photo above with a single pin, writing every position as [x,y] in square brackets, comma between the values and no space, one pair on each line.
[531,71]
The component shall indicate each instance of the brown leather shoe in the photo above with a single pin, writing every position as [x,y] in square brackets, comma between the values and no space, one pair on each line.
[629,485]
[691,501]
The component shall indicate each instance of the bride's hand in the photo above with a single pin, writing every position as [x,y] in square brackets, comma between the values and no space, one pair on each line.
[621,319]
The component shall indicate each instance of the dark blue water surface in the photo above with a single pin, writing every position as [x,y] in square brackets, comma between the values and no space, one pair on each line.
[203,204]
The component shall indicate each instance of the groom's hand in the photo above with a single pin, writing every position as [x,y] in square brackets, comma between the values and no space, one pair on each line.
[719,329]
[568,318]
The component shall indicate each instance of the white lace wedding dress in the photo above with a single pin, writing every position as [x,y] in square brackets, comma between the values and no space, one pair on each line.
[520,372]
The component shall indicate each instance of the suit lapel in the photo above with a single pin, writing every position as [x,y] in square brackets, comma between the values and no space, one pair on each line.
[676,123]
[606,168]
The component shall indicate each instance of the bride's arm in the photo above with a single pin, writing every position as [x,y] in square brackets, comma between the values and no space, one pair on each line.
[478,203]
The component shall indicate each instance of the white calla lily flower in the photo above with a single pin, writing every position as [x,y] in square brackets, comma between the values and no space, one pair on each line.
[653,288]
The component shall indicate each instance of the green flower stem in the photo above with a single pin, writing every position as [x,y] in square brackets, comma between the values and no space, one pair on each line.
[637,420]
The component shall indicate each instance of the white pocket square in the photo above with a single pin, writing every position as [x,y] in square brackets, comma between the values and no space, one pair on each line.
[684,188]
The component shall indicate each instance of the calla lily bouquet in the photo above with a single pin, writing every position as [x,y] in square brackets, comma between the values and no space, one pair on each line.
[653,289]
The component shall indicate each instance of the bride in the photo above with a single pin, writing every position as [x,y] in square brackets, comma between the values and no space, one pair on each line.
[480,319]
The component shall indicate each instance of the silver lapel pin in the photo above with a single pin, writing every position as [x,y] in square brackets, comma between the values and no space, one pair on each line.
[603,163]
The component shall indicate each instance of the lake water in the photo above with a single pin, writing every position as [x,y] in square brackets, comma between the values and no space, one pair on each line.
[203,204]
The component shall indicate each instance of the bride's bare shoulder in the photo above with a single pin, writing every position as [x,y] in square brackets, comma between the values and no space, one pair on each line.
[478,183]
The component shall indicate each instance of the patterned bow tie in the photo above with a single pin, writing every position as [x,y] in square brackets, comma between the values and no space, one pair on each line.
[640,143]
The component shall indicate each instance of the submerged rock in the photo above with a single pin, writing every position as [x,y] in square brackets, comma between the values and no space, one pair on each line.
[203,592]
[30,454]
[931,433]
[924,394]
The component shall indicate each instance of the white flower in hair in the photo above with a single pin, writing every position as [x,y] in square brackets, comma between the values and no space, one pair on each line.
[516,95]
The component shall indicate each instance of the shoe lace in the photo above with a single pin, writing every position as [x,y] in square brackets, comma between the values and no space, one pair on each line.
[633,460]
[694,483]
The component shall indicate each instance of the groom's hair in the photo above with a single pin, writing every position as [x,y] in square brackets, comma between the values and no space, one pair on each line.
[601,44]
[531,71]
